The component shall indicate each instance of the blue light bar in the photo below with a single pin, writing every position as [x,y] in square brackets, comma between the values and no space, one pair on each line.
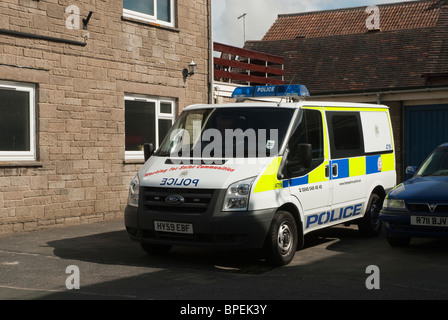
[296,90]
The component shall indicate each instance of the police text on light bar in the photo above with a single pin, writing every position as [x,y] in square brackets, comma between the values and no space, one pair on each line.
[296,90]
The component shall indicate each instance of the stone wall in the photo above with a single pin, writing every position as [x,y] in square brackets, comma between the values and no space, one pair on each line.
[80,174]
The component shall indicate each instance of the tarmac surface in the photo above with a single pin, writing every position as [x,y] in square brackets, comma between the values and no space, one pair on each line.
[333,265]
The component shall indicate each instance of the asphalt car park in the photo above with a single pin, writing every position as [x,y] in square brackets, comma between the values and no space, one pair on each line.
[335,264]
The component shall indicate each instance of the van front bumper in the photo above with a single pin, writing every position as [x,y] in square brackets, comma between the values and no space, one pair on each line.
[245,230]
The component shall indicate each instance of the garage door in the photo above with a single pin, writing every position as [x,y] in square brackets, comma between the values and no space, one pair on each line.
[426,127]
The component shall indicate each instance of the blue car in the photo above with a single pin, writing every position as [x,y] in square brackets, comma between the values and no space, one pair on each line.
[419,206]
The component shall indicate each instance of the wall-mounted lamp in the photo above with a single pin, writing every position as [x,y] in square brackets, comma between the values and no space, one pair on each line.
[190,71]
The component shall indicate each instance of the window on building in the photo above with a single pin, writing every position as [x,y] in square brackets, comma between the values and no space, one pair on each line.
[147,120]
[17,122]
[158,11]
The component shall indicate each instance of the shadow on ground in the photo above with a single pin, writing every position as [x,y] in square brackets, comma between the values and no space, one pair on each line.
[337,271]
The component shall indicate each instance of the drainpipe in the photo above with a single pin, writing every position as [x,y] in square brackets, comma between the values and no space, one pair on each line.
[40,37]
[211,84]
[378,98]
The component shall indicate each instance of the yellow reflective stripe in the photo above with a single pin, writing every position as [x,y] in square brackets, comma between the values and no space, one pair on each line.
[380,109]
[388,162]
[268,180]
[391,131]
[357,166]
[341,108]
[373,109]
[318,174]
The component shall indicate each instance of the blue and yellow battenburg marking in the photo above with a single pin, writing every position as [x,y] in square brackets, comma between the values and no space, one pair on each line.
[360,166]
[347,168]
[317,175]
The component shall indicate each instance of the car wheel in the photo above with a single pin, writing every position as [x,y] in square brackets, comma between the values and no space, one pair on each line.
[156,249]
[282,239]
[371,225]
[398,241]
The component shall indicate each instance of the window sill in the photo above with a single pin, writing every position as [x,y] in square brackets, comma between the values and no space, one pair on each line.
[20,164]
[134,161]
[150,24]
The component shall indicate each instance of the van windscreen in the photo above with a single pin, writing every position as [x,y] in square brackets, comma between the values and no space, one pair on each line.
[227,133]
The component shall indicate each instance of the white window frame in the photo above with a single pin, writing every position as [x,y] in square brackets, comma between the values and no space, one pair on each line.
[152,19]
[6,156]
[140,155]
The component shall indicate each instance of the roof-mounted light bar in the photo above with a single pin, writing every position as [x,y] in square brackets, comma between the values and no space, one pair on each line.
[296,90]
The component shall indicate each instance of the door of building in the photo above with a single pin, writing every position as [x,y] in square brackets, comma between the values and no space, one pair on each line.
[426,127]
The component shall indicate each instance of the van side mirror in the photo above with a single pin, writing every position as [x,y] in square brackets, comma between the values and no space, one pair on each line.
[148,150]
[411,171]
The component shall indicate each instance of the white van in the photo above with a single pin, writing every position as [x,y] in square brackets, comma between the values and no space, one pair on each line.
[263,175]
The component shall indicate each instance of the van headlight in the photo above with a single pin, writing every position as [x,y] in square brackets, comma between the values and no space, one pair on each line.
[394,204]
[134,190]
[237,196]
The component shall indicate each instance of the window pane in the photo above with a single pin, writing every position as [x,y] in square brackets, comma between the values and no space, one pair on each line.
[164,128]
[164,10]
[309,131]
[263,132]
[315,133]
[142,6]
[437,164]
[165,108]
[140,118]
[345,134]
[14,121]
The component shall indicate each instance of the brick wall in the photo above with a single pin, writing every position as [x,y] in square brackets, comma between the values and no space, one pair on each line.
[80,175]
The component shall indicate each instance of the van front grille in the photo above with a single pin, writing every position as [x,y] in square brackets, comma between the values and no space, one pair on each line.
[194,201]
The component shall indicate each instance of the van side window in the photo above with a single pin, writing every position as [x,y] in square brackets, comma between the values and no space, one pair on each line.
[310,130]
[346,137]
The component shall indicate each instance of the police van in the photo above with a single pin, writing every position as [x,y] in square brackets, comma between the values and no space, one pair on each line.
[263,174]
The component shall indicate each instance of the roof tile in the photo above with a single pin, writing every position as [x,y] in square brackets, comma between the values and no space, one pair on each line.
[396,16]
[331,51]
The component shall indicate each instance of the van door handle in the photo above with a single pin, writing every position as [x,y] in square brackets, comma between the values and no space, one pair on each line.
[334,170]
[327,171]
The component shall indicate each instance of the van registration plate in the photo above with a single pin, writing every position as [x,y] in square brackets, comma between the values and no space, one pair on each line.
[173,227]
[429,221]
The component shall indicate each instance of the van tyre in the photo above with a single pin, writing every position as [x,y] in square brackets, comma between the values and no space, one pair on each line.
[281,242]
[371,225]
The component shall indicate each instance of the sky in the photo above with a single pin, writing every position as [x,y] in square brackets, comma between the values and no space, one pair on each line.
[261,14]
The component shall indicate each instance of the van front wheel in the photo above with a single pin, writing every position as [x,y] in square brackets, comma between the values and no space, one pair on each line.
[281,242]
[371,225]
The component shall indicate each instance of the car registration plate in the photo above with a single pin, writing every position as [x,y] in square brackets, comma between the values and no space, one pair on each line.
[173,227]
[429,221]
